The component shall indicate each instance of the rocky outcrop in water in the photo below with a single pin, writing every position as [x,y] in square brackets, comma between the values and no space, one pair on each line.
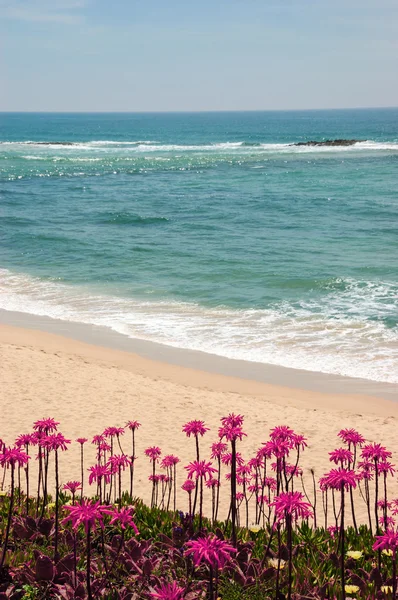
[328,143]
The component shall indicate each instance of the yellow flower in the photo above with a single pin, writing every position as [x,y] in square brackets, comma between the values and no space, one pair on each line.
[351,589]
[255,528]
[387,552]
[386,589]
[273,562]
[2,493]
[355,554]
[51,505]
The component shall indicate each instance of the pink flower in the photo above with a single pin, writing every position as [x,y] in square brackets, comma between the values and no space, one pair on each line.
[217,449]
[118,461]
[188,486]
[85,513]
[231,428]
[12,457]
[97,439]
[338,478]
[387,541]
[210,550]
[270,483]
[375,452]
[169,461]
[282,433]
[133,425]
[366,470]
[333,530]
[82,441]
[386,467]
[350,436]
[46,425]
[195,428]
[153,453]
[280,448]
[226,458]
[97,472]
[72,486]
[341,455]
[212,483]
[56,442]
[113,431]
[291,503]
[389,522]
[262,499]
[299,441]
[123,516]
[200,468]
[168,591]
[25,439]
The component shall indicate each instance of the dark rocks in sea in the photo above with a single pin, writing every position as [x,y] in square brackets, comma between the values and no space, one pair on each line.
[328,143]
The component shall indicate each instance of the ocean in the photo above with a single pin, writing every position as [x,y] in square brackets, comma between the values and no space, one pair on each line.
[210,231]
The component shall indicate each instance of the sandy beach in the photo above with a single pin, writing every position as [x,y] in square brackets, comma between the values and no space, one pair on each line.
[88,388]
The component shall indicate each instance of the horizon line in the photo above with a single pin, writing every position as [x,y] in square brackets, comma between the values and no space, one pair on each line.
[209,111]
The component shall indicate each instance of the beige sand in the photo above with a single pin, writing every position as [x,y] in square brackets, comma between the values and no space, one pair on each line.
[88,388]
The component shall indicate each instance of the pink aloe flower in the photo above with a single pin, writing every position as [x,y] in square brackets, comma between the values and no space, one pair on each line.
[81,441]
[299,441]
[265,451]
[98,472]
[133,425]
[262,499]
[123,516]
[291,503]
[231,427]
[154,478]
[226,458]
[188,486]
[168,591]
[97,439]
[270,483]
[200,468]
[386,467]
[212,483]
[350,436]
[342,456]
[25,439]
[375,452]
[86,513]
[210,550]
[46,425]
[333,531]
[153,453]
[282,432]
[387,541]
[118,461]
[338,478]
[279,448]
[11,457]
[72,486]
[195,428]
[217,450]
[56,441]
[169,461]
[113,431]
[388,522]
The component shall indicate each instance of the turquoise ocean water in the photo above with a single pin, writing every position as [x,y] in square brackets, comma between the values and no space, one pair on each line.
[210,231]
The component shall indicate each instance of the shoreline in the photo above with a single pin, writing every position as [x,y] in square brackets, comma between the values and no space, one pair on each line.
[201,362]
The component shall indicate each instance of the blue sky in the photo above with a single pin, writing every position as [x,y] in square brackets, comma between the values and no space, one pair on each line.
[162,55]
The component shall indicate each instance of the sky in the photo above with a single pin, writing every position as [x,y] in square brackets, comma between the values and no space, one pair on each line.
[197,55]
